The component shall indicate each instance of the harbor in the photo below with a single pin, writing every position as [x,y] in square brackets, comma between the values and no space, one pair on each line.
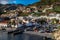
[33,20]
[30,27]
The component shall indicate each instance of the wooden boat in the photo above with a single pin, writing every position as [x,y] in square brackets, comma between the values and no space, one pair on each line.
[10,32]
[15,32]
[18,32]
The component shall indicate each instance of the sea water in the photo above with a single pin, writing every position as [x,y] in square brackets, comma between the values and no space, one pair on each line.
[5,36]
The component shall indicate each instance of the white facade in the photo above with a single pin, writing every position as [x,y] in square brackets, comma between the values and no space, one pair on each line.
[3,24]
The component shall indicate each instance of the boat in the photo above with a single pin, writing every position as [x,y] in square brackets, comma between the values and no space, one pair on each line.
[15,32]
[18,32]
[10,32]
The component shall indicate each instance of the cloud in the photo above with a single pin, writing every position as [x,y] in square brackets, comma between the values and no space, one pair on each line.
[14,1]
[4,2]
[25,2]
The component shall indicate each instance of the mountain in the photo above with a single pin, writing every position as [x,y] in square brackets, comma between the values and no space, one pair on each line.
[37,3]
[43,2]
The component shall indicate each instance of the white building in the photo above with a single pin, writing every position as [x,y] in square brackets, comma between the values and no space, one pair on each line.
[3,24]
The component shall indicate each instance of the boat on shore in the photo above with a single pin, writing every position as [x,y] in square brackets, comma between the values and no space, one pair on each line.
[15,32]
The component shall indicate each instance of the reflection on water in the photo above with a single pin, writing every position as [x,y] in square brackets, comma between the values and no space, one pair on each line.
[15,37]
[24,37]
[5,36]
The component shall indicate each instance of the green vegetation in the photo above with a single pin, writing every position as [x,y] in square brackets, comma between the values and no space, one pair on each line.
[58,27]
[54,21]
[57,8]
[36,14]
[24,14]
[2,13]
[50,10]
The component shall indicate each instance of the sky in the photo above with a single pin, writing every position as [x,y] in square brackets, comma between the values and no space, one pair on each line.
[25,2]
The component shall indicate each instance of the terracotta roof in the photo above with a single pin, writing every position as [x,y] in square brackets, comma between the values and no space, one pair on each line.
[4,22]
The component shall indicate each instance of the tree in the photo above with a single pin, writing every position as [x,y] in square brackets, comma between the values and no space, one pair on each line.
[49,1]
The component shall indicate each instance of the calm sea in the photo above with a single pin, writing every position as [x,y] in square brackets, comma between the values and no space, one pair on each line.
[5,36]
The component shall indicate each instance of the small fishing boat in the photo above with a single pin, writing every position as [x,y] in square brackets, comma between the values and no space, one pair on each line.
[18,32]
[10,32]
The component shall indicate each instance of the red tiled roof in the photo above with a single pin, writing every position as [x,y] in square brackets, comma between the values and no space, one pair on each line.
[4,22]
